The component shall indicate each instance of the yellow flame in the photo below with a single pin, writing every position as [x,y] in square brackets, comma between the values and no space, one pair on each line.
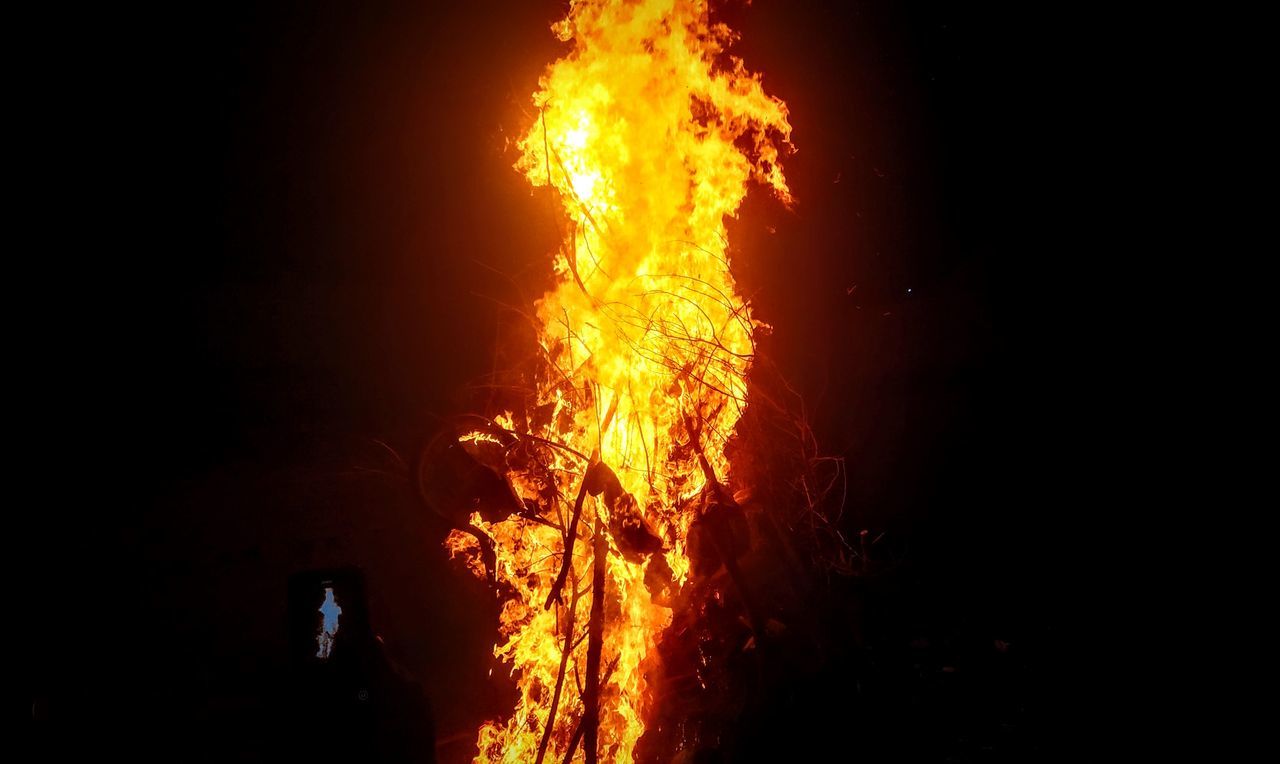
[649,132]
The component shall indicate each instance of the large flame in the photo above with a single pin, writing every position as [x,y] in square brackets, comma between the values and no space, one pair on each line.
[650,133]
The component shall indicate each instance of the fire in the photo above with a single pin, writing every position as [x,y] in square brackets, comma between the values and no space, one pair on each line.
[650,134]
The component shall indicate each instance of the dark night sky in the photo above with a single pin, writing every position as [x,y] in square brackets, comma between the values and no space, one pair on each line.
[293,215]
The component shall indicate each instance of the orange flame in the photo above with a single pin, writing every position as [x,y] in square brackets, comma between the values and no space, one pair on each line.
[649,133]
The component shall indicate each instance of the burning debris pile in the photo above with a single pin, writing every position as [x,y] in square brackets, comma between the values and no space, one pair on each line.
[638,493]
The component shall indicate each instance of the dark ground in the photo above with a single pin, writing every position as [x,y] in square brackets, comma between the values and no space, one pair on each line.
[289,215]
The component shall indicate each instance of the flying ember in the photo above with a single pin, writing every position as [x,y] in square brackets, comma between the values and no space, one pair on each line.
[649,132]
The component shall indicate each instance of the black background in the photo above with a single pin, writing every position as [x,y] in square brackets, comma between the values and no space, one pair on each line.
[280,235]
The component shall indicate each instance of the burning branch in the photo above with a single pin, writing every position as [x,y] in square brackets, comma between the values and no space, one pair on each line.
[570,539]
[595,628]
[565,652]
